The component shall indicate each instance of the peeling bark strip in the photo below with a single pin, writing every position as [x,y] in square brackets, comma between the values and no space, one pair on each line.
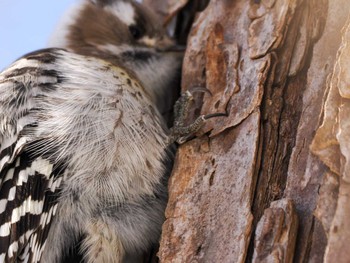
[332,145]
[331,142]
[276,233]
[266,63]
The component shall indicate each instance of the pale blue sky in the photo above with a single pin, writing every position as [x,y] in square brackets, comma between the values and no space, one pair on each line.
[26,25]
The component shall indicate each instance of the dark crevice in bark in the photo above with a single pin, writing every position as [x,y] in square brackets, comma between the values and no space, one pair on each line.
[186,17]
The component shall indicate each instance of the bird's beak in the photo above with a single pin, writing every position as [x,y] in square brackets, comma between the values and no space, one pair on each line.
[166,44]
[163,44]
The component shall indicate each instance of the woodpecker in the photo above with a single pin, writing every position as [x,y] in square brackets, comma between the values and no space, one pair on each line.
[83,144]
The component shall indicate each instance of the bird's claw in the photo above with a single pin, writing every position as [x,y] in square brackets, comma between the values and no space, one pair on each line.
[180,132]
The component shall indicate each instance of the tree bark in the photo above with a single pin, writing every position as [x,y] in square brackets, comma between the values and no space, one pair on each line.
[271,181]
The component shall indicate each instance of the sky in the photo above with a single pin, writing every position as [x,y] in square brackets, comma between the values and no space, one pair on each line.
[26,25]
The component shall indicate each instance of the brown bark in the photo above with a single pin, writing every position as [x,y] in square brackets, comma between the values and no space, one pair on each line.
[275,233]
[279,68]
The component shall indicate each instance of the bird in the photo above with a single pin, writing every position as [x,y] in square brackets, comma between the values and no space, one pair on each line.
[84,146]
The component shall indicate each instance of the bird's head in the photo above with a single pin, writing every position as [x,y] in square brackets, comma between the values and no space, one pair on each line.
[115,26]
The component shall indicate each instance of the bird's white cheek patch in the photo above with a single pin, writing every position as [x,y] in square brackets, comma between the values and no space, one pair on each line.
[124,11]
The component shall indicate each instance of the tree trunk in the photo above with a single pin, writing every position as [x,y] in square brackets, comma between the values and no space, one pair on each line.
[271,181]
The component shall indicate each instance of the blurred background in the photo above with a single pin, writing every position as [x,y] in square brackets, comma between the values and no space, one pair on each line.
[26,26]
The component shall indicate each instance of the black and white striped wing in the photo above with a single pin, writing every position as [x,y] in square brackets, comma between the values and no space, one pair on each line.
[29,182]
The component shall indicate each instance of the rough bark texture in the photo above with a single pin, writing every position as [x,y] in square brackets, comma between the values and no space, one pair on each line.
[270,182]
[276,233]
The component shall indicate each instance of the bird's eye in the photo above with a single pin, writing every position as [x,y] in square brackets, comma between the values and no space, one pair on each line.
[136,32]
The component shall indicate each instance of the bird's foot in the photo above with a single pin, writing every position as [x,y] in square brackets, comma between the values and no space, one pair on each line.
[180,132]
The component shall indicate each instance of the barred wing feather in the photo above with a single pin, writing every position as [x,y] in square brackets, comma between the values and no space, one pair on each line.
[29,182]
